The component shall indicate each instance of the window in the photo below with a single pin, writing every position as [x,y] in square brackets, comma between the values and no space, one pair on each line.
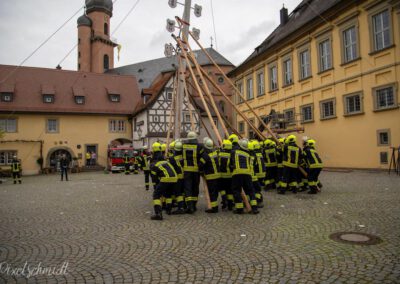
[6,157]
[215,122]
[325,58]
[350,45]
[250,129]
[383,157]
[186,117]
[116,125]
[222,106]
[305,65]
[106,63]
[249,85]
[287,72]
[328,109]
[115,98]
[79,54]
[79,41]
[169,96]
[79,66]
[48,99]
[52,125]
[105,28]
[353,104]
[6,97]
[385,97]
[307,113]
[383,136]
[273,78]
[155,118]
[8,125]
[260,84]
[289,116]
[240,88]
[241,127]
[79,100]
[381,30]
[220,80]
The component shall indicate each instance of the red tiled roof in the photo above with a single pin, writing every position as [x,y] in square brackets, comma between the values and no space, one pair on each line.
[30,83]
[153,91]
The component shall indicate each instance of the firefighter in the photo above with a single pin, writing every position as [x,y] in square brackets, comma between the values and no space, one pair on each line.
[279,159]
[163,148]
[241,177]
[166,178]
[235,141]
[314,165]
[259,172]
[291,156]
[127,163]
[136,161]
[191,155]
[16,170]
[144,161]
[271,164]
[176,160]
[209,165]
[226,174]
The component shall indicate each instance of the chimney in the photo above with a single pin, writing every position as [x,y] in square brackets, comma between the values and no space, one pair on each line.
[284,15]
[58,67]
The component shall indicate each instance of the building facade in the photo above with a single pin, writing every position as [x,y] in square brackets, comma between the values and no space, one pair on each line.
[155,79]
[47,112]
[333,69]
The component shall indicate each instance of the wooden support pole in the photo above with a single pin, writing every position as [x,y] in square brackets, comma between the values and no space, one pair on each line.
[231,103]
[225,119]
[198,88]
[192,125]
[207,90]
[235,88]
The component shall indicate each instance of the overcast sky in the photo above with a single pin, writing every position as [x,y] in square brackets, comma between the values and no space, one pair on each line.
[240,26]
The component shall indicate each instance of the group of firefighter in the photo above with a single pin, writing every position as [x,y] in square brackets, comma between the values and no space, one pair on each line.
[238,171]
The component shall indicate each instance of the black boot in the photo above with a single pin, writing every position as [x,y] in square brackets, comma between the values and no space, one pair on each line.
[156,217]
[212,210]
[254,210]
[313,190]
[189,209]
[230,205]
[238,211]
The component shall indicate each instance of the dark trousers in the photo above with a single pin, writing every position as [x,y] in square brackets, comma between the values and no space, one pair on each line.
[213,189]
[127,168]
[271,177]
[257,191]
[179,193]
[64,171]
[279,176]
[239,182]
[313,175]
[290,177]
[16,177]
[225,184]
[147,179]
[163,189]
[191,182]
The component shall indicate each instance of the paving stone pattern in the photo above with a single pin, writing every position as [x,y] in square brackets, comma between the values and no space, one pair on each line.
[100,224]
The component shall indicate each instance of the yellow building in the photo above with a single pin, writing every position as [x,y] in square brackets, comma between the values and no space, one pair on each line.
[332,67]
[48,112]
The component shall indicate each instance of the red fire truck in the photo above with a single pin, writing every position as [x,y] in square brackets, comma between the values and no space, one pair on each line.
[116,157]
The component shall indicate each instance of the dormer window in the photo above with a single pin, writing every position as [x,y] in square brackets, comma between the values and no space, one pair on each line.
[115,98]
[80,100]
[7,97]
[48,99]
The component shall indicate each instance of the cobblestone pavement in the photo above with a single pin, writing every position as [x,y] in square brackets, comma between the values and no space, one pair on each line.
[98,225]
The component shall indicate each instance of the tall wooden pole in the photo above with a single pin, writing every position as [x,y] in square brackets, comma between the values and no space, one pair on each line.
[182,70]
[172,109]
[207,90]
[198,88]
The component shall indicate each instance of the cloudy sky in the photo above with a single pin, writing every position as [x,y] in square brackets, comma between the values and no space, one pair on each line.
[240,25]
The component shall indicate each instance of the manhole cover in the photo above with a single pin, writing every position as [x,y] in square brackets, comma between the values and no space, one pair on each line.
[355,238]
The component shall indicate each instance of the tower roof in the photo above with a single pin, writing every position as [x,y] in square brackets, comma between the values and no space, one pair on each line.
[99,5]
[84,21]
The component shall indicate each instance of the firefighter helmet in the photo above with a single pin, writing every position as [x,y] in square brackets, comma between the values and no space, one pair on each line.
[234,138]
[178,146]
[311,143]
[209,144]
[244,144]
[227,144]
[291,139]
[192,135]
[156,147]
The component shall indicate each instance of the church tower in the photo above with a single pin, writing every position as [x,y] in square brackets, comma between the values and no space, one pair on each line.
[95,48]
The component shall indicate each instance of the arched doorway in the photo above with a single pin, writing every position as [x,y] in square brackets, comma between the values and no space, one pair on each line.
[54,155]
